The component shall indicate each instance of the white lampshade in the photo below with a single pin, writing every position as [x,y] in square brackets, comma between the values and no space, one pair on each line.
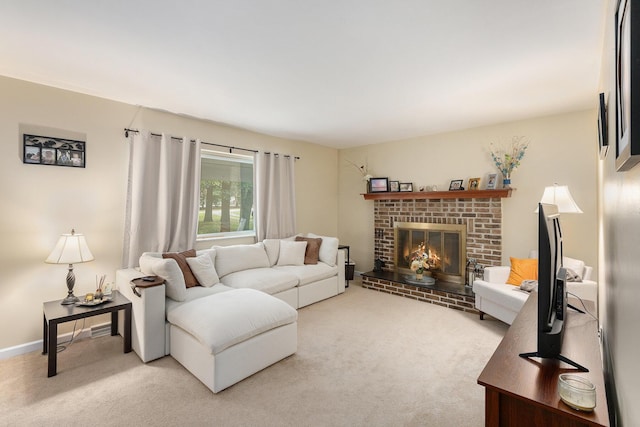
[70,249]
[560,196]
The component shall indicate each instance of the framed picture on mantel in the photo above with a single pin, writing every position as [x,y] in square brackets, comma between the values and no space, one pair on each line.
[456,185]
[378,185]
[406,186]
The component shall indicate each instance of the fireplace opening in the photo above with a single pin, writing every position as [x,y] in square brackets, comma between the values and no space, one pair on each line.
[444,244]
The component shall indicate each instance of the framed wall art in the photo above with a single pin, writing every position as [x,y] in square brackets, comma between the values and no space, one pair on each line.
[603,139]
[45,150]
[394,186]
[627,94]
[379,185]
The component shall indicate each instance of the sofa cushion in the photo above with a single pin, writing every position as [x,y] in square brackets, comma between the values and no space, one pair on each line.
[230,259]
[203,269]
[328,249]
[522,269]
[291,253]
[309,273]
[269,280]
[312,253]
[222,320]
[195,293]
[181,258]
[154,264]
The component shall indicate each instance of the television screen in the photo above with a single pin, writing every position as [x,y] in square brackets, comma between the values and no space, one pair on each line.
[549,261]
[552,294]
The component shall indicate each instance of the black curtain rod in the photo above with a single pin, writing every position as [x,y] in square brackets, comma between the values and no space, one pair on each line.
[127,130]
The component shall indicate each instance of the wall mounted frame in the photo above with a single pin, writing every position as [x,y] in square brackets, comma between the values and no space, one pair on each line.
[627,30]
[45,150]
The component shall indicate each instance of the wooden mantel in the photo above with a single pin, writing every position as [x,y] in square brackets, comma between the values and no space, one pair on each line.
[416,195]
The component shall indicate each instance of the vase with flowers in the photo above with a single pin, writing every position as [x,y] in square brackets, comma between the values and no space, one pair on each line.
[419,262]
[363,169]
[508,159]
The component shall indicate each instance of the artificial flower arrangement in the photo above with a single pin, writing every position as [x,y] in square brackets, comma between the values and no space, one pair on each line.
[420,260]
[507,160]
[363,170]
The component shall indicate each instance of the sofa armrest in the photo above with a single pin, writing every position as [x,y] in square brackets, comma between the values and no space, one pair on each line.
[586,290]
[586,275]
[148,315]
[497,274]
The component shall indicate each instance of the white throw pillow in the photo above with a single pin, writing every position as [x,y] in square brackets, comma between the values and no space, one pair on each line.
[291,252]
[202,267]
[328,249]
[230,259]
[169,270]
[272,246]
[574,264]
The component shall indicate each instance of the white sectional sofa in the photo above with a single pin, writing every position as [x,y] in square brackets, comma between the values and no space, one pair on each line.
[243,319]
[495,297]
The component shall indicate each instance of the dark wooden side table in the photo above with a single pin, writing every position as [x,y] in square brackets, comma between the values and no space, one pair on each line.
[54,313]
[346,261]
[524,392]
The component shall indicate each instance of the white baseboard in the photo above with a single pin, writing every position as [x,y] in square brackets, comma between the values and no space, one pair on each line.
[94,331]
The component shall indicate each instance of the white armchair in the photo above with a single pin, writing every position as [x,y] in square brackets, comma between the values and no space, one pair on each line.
[502,301]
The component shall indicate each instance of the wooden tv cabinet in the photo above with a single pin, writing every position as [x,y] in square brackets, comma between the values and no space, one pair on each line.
[524,392]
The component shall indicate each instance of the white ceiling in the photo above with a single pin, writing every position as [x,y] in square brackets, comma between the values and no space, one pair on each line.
[335,72]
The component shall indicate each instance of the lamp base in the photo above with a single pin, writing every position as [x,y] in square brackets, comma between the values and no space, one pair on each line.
[71,281]
[70,299]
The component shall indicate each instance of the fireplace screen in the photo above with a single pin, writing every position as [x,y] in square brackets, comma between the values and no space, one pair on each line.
[445,245]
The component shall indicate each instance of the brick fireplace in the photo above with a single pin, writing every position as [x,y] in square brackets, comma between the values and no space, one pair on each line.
[480,212]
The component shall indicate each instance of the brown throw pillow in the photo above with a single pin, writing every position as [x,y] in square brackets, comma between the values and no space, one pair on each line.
[312,252]
[181,258]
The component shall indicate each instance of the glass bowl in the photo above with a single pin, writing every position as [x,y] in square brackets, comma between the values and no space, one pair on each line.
[577,392]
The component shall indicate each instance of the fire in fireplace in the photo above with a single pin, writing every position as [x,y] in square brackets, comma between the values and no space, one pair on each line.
[445,245]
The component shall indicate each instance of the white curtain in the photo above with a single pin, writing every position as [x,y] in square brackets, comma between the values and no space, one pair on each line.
[162,196]
[275,196]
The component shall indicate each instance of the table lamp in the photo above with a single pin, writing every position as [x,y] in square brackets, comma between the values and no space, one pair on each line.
[70,249]
[560,196]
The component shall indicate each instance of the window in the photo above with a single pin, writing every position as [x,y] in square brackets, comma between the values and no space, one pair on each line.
[226,195]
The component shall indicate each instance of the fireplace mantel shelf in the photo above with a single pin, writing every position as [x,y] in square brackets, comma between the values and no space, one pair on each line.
[465,194]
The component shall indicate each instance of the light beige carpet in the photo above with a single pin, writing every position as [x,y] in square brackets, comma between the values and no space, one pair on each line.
[364,358]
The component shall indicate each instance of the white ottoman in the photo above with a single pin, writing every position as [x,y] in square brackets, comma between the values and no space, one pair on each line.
[226,337]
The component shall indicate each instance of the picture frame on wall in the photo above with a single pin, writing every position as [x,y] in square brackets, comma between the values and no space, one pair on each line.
[603,137]
[394,186]
[46,150]
[627,94]
[379,185]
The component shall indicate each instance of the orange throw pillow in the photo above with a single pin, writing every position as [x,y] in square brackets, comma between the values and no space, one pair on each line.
[522,269]
[181,258]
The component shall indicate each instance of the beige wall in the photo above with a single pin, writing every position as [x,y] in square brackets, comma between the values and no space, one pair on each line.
[41,202]
[619,197]
[562,150]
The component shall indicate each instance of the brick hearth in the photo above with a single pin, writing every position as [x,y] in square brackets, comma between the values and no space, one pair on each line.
[445,294]
[482,216]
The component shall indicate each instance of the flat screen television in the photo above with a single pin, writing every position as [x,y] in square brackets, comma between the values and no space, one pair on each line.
[552,292]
